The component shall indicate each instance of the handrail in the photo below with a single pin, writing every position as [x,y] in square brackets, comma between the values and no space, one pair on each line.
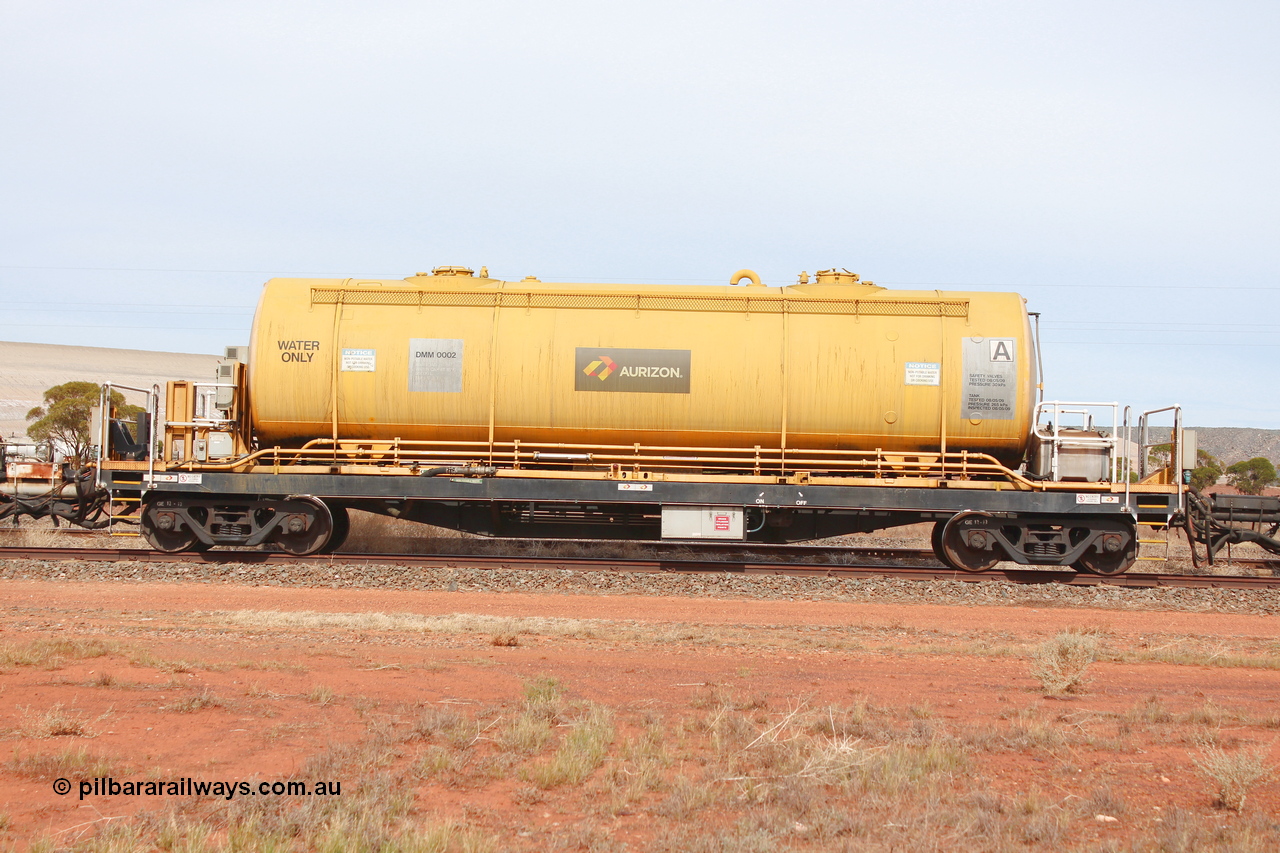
[1128,460]
[201,403]
[1058,408]
[425,453]
[1175,447]
[104,426]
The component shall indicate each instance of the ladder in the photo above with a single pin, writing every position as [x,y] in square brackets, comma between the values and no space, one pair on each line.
[131,505]
[128,499]
[1153,531]
[1153,536]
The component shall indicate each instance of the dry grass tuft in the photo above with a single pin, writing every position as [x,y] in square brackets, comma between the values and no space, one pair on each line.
[542,708]
[454,623]
[437,761]
[321,694]
[505,637]
[271,666]
[446,725]
[206,698]
[255,690]
[55,722]
[38,537]
[1060,664]
[68,762]
[52,654]
[1234,774]
[527,733]
[582,751]
[716,696]
[1151,712]
[527,795]
[174,667]
[544,696]
[640,768]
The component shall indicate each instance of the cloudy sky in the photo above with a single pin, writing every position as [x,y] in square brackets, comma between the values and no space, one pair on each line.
[1114,162]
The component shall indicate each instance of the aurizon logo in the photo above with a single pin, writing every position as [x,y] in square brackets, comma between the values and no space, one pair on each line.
[602,368]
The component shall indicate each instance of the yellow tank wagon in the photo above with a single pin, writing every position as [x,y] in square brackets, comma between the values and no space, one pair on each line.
[833,364]
[732,412]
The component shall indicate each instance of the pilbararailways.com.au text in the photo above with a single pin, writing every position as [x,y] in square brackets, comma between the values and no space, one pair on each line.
[106,786]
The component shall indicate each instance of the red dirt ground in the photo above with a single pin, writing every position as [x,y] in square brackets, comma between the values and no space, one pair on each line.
[265,726]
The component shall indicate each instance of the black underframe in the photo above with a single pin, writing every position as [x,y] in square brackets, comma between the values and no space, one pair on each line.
[354,489]
[551,507]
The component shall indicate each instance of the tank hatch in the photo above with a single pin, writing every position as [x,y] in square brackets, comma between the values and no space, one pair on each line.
[445,271]
[833,283]
[841,276]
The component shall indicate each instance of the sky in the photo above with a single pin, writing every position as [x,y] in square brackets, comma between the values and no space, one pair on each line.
[1114,162]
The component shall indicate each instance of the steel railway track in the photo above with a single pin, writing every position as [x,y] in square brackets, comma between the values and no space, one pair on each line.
[675,564]
[813,553]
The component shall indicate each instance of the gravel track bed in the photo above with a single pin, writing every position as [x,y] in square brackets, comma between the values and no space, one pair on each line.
[354,575]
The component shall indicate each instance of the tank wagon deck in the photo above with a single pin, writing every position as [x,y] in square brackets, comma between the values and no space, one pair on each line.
[525,409]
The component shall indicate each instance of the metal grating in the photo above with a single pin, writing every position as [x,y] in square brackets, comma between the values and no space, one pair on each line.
[882,307]
[642,302]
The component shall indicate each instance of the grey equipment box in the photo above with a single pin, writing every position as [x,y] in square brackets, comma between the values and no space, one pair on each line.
[681,522]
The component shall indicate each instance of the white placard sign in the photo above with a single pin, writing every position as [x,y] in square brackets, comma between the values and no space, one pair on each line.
[359,360]
[923,373]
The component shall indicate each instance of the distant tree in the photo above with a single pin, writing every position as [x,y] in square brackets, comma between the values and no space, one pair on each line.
[1252,475]
[1158,456]
[63,420]
[1207,471]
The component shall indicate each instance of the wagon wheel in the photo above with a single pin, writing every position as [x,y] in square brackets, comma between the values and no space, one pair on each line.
[935,540]
[958,554]
[311,538]
[168,541]
[341,527]
[1108,562]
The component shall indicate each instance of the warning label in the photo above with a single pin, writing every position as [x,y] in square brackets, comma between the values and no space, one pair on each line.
[359,360]
[923,373]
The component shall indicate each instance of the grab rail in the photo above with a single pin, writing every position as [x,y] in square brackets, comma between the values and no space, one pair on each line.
[104,427]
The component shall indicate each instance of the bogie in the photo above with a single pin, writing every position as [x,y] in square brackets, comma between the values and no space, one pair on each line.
[191,522]
[976,541]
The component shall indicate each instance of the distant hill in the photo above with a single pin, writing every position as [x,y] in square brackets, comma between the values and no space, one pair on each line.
[27,370]
[1232,444]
